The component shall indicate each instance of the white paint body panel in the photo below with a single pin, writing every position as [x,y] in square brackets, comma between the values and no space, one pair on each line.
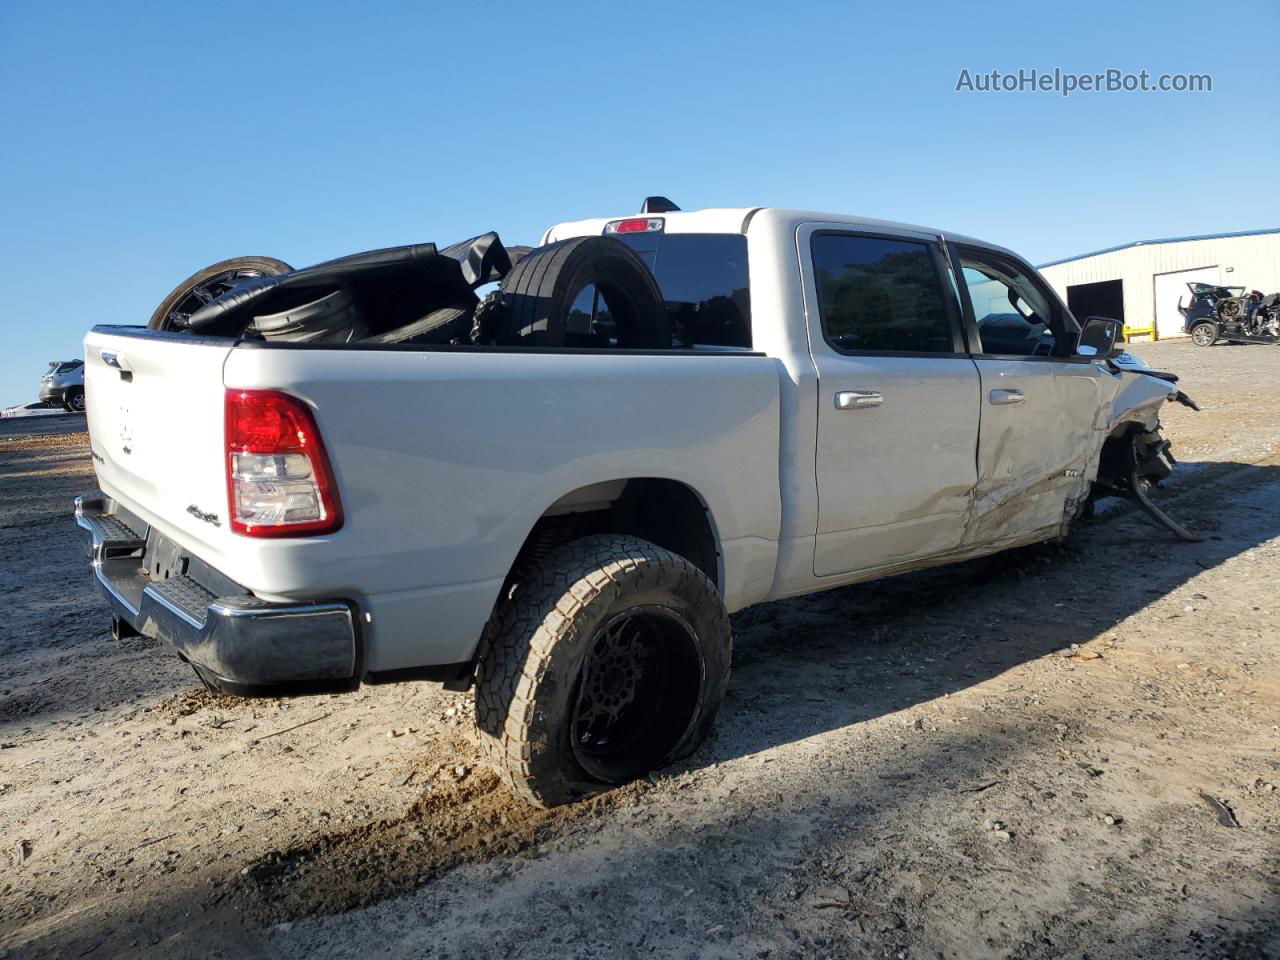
[877,502]
[1032,454]
[155,426]
[445,460]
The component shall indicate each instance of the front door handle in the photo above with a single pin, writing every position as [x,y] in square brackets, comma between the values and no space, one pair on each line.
[858,399]
[1003,397]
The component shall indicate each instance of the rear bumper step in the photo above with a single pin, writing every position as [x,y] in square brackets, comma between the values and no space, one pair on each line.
[237,643]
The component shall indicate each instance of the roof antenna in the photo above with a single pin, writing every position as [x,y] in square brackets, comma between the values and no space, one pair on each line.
[657,205]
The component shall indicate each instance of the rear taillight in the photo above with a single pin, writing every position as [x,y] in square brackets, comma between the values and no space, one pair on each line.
[279,483]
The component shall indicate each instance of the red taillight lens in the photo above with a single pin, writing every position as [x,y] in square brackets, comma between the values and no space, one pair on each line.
[279,483]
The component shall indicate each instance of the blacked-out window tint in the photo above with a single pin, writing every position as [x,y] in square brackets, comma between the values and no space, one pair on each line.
[876,293]
[703,279]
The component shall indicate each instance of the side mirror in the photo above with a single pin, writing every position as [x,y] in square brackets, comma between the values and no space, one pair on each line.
[1098,337]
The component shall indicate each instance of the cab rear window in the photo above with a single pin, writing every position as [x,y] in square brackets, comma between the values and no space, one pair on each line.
[703,279]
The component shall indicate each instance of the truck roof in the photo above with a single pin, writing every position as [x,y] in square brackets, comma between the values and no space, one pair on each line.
[736,219]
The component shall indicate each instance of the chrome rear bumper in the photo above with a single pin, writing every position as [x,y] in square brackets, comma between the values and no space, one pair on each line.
[237,642]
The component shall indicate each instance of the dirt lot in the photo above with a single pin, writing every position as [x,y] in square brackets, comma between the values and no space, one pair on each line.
[1036,755]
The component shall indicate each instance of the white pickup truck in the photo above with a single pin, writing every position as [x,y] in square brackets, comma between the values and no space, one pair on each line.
[568,528]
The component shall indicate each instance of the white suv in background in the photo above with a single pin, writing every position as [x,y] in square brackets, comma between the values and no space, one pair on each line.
[64,384]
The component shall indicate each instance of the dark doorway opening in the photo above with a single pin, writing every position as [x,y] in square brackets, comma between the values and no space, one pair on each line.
[1102,299]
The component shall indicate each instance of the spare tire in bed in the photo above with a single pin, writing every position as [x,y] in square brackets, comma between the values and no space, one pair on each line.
[207,285]
[539,293]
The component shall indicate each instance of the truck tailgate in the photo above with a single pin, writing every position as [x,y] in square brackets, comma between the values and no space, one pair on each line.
[155,417]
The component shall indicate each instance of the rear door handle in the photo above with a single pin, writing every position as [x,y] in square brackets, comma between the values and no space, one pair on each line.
[1004,397]
[858,399]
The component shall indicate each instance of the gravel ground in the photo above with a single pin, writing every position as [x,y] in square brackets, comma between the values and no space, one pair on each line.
[1068,750]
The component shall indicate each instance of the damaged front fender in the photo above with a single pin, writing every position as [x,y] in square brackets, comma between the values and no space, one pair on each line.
[1136,459]
[1139,398]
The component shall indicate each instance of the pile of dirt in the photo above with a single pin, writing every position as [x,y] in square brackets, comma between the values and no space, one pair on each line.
[190,702]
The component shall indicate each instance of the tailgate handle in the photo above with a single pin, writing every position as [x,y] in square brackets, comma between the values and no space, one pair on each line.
[117,360]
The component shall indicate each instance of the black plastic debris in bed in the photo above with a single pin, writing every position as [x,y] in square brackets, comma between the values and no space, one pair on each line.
[413,293]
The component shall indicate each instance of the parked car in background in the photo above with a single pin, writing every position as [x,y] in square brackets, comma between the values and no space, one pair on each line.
[63,385]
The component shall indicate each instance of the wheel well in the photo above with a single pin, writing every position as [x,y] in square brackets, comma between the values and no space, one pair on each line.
[665,512]
[1114,459]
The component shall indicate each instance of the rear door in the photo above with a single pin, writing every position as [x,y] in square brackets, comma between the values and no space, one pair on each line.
[1039,401]
[898,399]
[154,403]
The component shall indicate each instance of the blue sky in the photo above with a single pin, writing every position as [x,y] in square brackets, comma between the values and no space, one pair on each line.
[144,141]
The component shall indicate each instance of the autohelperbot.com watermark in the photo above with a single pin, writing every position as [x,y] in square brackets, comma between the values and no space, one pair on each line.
[1065,83]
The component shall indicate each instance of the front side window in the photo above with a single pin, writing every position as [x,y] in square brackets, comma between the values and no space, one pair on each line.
[880,294]
[1014,316]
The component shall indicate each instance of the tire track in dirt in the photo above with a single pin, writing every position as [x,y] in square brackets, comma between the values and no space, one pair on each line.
[465,816]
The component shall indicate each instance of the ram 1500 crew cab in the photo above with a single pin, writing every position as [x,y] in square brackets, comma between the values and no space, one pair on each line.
[568,528]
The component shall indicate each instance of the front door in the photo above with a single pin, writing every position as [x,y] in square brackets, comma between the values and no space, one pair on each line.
[898,400]
[1039,401]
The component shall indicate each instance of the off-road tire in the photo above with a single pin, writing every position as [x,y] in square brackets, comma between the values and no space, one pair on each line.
[73,401]
[249,266]
[1203,338]
[539,292]
[537,642]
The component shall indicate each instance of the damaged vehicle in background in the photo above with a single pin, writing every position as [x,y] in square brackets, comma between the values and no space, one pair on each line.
[558,491]
[1230,314]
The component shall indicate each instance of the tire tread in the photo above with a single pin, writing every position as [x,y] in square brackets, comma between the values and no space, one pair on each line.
[520,641]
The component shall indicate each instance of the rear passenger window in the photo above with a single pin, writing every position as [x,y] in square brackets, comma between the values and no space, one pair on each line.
[880,294]
[703,279]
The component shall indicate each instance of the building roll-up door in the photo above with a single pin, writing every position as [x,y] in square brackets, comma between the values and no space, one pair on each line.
[1172,287]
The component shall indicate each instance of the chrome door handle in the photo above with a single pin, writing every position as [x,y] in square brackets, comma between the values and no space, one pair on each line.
[1001,397]
[858,399]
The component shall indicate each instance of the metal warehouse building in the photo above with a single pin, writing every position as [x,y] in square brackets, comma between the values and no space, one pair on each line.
[1141,283]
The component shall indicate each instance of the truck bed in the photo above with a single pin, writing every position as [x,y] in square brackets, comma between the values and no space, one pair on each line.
[445,458]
